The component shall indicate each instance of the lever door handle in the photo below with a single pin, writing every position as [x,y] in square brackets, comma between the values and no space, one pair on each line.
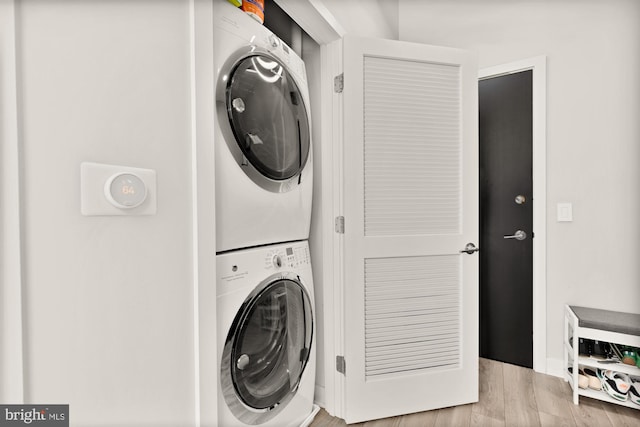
[469,249]
[518,235]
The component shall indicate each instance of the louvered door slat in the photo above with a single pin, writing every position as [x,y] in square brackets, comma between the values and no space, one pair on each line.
[416,301]
[412,142]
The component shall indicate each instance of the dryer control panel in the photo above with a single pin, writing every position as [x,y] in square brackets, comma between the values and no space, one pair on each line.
[283,52]
[288,256]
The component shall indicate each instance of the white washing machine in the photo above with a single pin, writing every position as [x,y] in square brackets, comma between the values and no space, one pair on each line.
[266,333]
[262,135]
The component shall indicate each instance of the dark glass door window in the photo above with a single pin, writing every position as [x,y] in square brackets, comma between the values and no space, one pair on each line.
[271,345]
[268,117]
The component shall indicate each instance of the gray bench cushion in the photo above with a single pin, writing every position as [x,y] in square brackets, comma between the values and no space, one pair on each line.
[613,321]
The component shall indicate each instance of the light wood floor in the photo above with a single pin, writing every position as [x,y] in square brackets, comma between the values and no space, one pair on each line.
[512,396]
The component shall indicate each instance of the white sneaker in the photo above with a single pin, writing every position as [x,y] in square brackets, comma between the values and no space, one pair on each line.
[616,384]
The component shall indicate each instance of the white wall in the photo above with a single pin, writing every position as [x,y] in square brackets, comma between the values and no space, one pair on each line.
[108,301]
[366,18]
[593,131]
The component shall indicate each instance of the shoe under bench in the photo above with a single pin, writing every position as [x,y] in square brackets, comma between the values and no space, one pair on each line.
[601,325]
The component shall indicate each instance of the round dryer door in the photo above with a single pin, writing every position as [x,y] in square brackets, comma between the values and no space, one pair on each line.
[268,118]
[267,349]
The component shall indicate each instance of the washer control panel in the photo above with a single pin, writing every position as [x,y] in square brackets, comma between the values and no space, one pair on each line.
[288,256]
[277,261]
[245,269]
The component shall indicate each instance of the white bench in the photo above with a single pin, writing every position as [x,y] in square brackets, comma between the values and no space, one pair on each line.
[601,325]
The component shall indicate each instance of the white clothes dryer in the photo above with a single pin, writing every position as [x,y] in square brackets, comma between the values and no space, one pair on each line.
[262,135]
[266,333]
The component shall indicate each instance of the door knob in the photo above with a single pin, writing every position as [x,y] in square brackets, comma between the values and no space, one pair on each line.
[469,249]
[518,235]
[520,199]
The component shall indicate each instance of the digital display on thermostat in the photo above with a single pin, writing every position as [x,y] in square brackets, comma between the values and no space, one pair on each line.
[126,190]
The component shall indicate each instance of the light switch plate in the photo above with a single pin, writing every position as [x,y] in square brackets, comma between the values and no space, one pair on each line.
[94,197]
[565,212]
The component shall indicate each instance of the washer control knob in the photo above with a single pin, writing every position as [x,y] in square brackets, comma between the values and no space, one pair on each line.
[277,261]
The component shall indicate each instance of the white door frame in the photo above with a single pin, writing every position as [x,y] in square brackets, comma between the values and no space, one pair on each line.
[11,276]
[317,21]
[539,67]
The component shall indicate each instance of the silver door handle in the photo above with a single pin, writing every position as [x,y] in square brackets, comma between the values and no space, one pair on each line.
[469,249]
[518,235]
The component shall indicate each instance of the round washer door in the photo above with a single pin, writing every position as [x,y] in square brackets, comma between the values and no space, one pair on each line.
[267,349]
[267,116]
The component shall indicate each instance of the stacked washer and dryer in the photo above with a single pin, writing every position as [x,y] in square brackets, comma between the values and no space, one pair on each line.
[265,297]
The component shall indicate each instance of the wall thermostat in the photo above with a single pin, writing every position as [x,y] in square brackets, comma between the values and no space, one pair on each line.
[117,190]
[125,190]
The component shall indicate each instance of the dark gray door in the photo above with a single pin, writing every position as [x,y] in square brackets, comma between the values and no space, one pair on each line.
[506,219]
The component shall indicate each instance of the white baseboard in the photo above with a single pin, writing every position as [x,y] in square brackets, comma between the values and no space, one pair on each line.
[311,416]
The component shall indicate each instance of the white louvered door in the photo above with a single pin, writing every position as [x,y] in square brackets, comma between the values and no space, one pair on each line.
[410,207]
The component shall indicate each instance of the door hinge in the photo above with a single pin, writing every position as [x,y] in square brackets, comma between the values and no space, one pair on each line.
[341,365]
[338,83]
[340,224]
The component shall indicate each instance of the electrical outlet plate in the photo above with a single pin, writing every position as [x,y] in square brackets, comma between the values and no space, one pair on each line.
[95,188]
